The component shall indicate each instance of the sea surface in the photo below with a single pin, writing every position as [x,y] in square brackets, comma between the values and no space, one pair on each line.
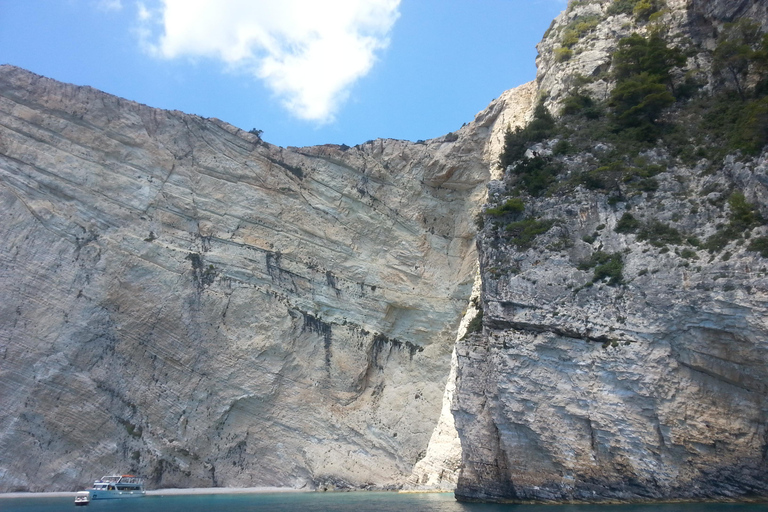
[336,502]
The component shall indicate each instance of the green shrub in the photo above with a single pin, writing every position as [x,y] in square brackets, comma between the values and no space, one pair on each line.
[647,185]
[759,244]
[654,16]
[577,29]
[738,49]
[639,100]
[636,55]
[524,232]
[627,224]
[644,9]
[740,124]
[512,205]
[563,147]
[651,170]
[622,7]
[563,54]
[751,134]
[689,254]
[606,266]
[744,215]
[721,238]
[612,270]
[593,180]
[543,124]
[659,234]
[580,104]
[536,174]
[644,87]
[517,141]
[607,177]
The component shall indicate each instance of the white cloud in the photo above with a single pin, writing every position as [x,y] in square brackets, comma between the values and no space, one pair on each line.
[309,52]
[144,14]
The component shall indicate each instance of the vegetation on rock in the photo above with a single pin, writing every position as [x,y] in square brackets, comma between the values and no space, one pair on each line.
[648,164]
[606,266]
[659,114]
[654,103]
[642,10]
[744,216]
[517,141]
[523,233]
[644,87]
[512,205]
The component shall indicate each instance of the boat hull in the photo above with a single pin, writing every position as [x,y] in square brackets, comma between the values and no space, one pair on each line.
[115,495]
[117,487]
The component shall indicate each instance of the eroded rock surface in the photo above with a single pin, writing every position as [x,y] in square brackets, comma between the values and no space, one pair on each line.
[440,467]
[182,300]
[650,386]
[653,389]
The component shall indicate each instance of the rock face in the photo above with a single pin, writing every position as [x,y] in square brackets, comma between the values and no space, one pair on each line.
[440,467]
[654,387]
[729,10]
[181,300]
[575,56]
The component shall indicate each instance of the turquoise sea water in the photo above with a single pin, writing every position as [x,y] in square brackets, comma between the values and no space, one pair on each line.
[336,502]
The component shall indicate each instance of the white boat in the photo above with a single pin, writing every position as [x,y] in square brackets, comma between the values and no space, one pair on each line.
[116,487]
[82,498]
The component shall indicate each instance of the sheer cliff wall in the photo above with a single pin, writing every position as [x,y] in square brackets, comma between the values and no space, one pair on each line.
[616,363]
[181,300]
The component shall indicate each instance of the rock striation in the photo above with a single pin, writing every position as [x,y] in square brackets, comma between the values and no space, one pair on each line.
[652,390]
[440,467]
[575,52]
[648,385]
[182,300]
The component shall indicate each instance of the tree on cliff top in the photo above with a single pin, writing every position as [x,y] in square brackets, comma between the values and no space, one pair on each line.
[644,86]
[741,49]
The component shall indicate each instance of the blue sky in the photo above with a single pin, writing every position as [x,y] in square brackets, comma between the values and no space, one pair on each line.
[305,72]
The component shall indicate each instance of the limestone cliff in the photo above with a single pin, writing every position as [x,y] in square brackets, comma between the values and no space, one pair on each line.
[623,351]
[439,468]
[182,300]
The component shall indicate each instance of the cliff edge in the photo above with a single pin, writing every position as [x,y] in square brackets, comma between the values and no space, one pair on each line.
[622,353]
[182,300]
